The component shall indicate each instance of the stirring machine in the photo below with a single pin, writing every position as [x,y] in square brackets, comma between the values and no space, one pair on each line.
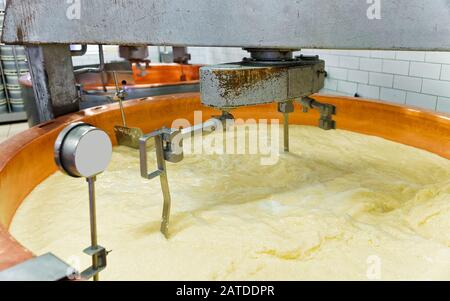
[271,31]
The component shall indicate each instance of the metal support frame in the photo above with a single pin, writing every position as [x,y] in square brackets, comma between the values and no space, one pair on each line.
[98,253]
[53,80]
[343,24]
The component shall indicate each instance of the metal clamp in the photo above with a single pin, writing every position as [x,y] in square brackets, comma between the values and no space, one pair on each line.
[99,262]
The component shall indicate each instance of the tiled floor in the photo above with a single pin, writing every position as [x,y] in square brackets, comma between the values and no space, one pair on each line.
[9,130]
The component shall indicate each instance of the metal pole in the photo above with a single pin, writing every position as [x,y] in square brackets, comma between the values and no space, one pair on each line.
[120,99]
[93,217]
[101,56]
[285,108]
[164,185]
[286,132]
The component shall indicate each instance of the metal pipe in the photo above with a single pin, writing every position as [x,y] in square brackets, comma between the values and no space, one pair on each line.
[209,125]
[93,222]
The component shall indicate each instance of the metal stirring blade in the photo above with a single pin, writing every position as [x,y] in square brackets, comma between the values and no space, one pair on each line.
[125,135]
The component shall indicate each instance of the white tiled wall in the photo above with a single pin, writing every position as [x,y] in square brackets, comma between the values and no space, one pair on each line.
[419,79]
[216,55]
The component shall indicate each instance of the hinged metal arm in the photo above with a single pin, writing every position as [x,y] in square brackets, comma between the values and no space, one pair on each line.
[164,151]
[169,147]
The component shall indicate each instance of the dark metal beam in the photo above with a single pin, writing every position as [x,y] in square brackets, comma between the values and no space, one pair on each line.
[53,81]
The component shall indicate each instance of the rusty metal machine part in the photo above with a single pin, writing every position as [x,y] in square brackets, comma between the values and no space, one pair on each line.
[268,75]
[254,81]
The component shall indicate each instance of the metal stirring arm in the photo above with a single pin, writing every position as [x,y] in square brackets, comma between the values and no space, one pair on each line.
[168,147]
[164,151]
[326,111]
